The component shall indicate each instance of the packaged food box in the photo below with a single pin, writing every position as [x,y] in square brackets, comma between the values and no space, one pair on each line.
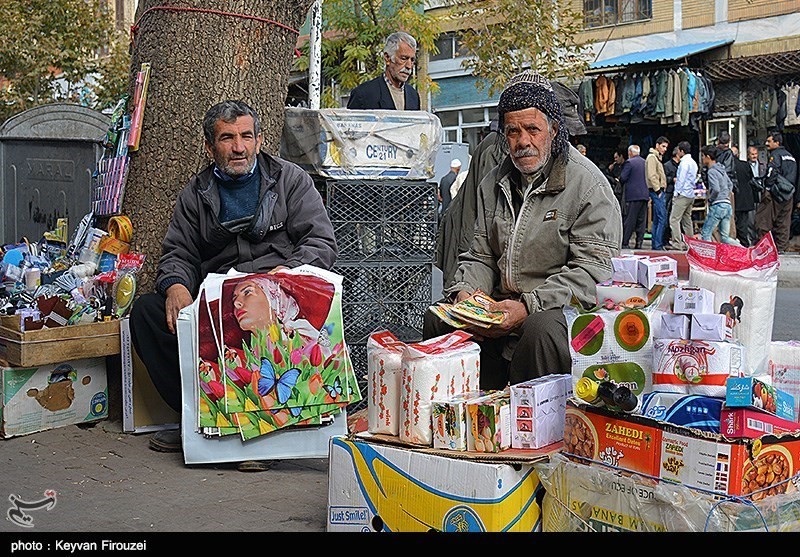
[490,422]
[538,409]
[746,422]
[693,299]
[750,392]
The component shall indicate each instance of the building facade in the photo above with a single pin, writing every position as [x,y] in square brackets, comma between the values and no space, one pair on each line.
[744,55]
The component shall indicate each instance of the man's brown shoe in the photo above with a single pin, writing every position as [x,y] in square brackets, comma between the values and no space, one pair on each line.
[166,441]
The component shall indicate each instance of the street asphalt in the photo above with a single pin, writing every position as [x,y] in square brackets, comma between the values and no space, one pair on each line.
[107,481]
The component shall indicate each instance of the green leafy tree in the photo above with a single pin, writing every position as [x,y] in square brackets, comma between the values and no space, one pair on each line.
[354,34]
[503,37]
[56,50]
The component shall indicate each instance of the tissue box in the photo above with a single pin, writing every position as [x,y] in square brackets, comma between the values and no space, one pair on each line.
[625,268]
[693,299]
[711,326]
[657,270]
[39,398]
[538,408]
[490,422]
[744,392]
[671,325]
[751,424]
[629,293]
[450,421]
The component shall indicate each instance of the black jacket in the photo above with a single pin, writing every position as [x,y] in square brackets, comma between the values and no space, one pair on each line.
[374,94]
[780,161]
[671,170]
[744,195]
[291,227]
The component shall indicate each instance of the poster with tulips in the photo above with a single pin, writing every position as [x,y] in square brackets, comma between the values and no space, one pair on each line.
[272,352]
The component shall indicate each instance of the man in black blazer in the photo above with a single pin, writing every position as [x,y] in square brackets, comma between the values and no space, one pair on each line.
[390,90]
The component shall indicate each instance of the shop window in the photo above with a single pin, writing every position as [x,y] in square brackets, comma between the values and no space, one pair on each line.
[473,115]
[598,13]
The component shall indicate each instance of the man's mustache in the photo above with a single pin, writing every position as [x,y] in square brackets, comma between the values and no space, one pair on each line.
[528,152]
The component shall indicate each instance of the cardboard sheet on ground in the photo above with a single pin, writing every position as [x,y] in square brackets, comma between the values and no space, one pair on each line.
[260,353]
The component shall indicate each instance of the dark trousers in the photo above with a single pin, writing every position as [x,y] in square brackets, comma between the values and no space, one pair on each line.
[775,217]
[157,347]
[635,220]
[543,349]
[667,230]
[746,227]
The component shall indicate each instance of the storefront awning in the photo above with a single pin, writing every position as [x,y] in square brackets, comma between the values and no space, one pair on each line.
[670,54]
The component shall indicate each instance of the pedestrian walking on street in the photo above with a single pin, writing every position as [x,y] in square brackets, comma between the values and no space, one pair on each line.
[657,187]
[445,183]
[720,211]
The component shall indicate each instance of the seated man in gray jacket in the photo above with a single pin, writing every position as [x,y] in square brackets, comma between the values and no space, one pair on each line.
[548,224]
[247,211]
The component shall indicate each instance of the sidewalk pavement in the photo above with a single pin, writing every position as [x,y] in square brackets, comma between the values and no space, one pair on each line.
[109,481]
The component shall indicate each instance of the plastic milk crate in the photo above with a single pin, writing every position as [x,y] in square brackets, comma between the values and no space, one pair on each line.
[383,220]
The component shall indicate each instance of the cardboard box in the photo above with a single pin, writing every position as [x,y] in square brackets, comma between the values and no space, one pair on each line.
[538,409]
[657,270]
[671,325]
[489,420]
[56,344]
[694,458]
[711,326]
[143,409]
[630,294]
[39,398]
[693,299]
[451,421]
[625,268]
[745,422]
[749,392]
[375,487]
[595,434]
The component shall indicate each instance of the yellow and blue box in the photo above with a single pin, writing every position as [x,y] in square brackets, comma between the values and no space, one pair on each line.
[374,487]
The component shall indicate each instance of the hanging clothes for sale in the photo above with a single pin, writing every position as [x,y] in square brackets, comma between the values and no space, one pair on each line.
[765,108]
[792,91]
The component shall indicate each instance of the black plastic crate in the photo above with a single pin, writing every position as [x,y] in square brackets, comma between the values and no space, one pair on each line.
[385,296]
[383,220]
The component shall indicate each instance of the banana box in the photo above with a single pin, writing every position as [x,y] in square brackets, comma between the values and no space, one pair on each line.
[38,398]
[374,487]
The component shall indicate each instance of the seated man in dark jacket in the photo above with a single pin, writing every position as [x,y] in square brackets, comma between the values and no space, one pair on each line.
[390,90]
[249,211]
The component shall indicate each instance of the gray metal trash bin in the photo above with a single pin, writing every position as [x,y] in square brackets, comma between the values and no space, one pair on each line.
[47,156]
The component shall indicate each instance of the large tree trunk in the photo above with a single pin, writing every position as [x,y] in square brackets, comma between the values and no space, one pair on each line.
[199,57]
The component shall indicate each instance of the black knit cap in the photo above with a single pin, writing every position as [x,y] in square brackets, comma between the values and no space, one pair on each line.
[529,89]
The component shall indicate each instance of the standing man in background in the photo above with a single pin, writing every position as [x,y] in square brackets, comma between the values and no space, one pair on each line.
[390,91]
[683,200]
[635,183]
[671,173]
[771,214]
[745,213]
[657,186]
[445,183]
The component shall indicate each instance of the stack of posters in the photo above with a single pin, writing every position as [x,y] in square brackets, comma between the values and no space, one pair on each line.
[271,352]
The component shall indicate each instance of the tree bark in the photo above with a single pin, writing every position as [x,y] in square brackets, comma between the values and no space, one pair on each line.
[198,57]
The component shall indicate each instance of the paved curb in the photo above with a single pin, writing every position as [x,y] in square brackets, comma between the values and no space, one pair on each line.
[789,271]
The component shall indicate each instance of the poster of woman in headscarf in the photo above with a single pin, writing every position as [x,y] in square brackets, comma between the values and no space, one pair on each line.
[283,357]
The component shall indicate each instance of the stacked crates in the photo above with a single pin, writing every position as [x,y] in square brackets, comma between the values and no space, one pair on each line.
[385,230]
